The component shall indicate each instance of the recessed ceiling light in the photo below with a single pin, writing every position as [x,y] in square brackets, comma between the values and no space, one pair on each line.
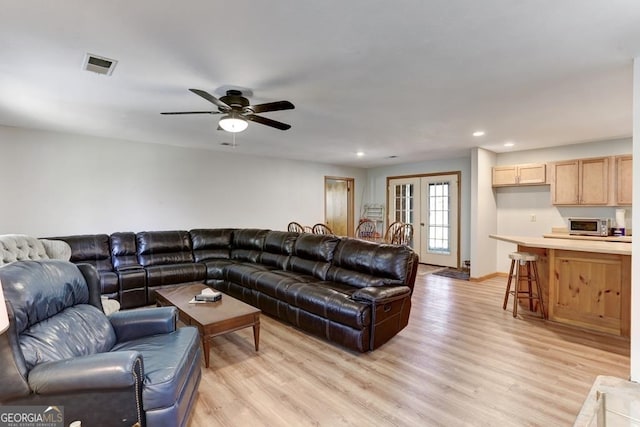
[360,153]
[509,144]
[478,133]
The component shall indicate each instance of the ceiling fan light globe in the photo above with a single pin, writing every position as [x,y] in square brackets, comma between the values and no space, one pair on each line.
[233,124]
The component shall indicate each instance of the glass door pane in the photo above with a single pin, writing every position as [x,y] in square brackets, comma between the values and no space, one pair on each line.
[439,233]
[404,203]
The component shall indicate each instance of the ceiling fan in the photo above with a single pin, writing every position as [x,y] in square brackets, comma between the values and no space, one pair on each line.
[237,111]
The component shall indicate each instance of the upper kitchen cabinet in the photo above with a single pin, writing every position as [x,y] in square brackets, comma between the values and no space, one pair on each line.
[527,174]
[581,182]
[624,179]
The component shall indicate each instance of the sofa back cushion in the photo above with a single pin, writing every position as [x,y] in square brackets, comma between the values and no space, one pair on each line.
[361,263]
[278,247]
[124,250]
[164,247]
[50,312]
[312,254]
[20,247]
[211,243]
[247,244]
[90,248]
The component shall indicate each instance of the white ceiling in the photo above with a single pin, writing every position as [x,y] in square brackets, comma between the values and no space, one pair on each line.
[410,78]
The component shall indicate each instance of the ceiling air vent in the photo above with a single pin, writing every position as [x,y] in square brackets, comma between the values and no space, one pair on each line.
[98,64]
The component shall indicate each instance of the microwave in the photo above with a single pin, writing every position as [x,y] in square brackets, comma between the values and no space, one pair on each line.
[589,226]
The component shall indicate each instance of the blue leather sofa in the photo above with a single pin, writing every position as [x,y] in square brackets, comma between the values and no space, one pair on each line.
[62,350]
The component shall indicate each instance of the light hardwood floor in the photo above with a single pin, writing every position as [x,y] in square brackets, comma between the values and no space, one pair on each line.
[461,361]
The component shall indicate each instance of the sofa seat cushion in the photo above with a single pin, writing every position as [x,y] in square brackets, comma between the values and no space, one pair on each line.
[215,267]
[272,283]
[169,274]
[242,272]
[275,283]
[354,278]
[299,277]
[80,330]
[165,372]
[331,301]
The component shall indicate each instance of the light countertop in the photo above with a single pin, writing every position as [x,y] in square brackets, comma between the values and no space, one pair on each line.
[625,239]
[618,248]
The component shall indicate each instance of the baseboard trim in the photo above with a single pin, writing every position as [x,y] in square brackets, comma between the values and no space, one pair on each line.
[487,276]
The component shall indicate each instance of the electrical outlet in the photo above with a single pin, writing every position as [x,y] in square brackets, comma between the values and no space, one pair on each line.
[532,217]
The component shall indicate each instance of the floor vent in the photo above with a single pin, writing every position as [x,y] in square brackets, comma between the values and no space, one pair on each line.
[98,64]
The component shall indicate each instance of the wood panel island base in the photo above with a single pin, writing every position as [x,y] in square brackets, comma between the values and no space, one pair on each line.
[584,283]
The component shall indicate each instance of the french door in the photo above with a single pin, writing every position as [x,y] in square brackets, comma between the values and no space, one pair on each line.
[430,203]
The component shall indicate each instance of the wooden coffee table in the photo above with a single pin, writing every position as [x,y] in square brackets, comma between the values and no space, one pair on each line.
[211,318]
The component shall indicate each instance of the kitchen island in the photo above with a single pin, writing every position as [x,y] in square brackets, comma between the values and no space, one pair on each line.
[585,283]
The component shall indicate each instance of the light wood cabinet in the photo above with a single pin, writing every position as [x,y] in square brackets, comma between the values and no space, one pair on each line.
[580,182]
[527,174]
[624,179]
[591,290]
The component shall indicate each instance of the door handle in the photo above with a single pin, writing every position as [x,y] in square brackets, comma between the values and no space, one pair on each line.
[422,224]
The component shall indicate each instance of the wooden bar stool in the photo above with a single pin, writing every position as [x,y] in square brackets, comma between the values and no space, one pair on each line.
[528,260]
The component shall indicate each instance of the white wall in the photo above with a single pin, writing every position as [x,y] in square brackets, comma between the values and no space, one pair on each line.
[57,184]
[377,188]
[483,214]
[517,204]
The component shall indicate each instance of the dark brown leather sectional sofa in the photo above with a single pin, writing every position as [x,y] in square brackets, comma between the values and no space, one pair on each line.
[348,291]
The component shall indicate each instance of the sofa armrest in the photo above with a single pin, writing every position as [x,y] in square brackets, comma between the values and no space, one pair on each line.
[132,324]
[102,371]
[381,294]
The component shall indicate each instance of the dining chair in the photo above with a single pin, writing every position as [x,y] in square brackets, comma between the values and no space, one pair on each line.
[391,231]
[295,227]
[403,235]
[367,230]
[321,229]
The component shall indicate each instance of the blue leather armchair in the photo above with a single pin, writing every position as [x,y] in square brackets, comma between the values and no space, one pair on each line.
[62,350]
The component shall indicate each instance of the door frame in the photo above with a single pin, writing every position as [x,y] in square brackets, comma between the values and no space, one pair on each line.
[350,199]
[426,175]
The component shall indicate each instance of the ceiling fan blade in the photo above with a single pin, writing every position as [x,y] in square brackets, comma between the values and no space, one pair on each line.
[211,98]
[272,106]
[268,122]
[192,112]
